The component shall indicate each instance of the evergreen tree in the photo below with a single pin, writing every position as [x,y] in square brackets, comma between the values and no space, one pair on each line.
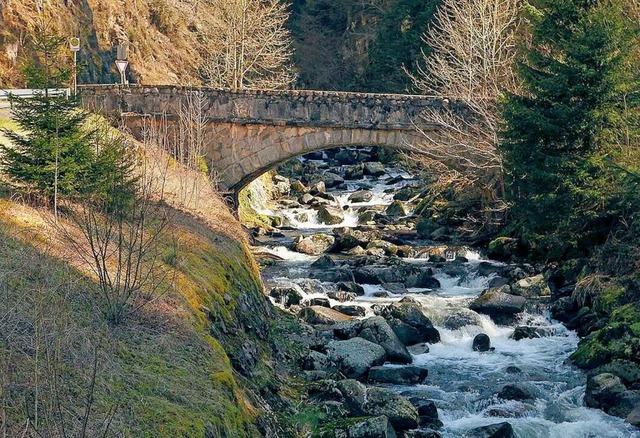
[567,127]
[53,154]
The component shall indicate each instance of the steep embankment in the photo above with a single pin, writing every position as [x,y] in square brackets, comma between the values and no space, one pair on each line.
[164,37]
[197,361]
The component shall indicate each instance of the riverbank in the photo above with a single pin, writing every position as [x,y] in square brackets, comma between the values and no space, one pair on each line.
[414,303]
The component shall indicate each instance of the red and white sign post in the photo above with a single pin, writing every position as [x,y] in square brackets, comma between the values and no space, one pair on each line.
[122,63]
[74,45]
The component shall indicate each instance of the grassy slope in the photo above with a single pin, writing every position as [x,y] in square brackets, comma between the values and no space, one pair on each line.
[167,371]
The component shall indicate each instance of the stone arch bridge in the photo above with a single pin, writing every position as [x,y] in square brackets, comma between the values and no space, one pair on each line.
[249,132]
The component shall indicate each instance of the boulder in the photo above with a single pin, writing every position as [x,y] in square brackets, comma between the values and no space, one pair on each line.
[318,187]
[298,187]
[353,172]
[319,301]
[371,427]
[316,362]
[382,401]
[350,287]
[628,371]
[367,216]
[602,391]
[500,306]
[322,315]
[287,296]
[422,279]
[407,375]
[515,391]
[387,247]
[411,314]
[306,199]
[347,238]
[499,430]
[341,296]
[376,329]
[374,169]
[527,332]
[461,318]
[531,287]
[502,248]
[481,343]
[324,262]
[427,411]
[421,433]
[355,357]
[352,310]
[361,196]
[332,179]
[634,417]
[396,209]
[417,349]
[330,215]
[407,334]
[315,244]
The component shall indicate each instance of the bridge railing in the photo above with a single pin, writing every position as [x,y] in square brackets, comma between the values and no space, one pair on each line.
[30,93]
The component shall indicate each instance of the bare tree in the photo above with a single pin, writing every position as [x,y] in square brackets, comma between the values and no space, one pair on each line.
[249,46]
[470,65]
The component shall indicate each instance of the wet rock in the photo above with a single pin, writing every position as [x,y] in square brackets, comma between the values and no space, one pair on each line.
[515,391]
[628,371]
[417,349]
[372,427]
[527,332]
[317,188]
[512,369]
[346,330]
[500,306]
[395,288]
[376,329]
[421,433]
[531,287]
[634,417]
[315,244]
[361,196]
[383,401]
[353,172]
[352,310]
[407,334]
[381,294]
[423,279]
[396,209]
[427,411]
[317,315]
[603,390]
[347,238]
[354,394]
[355,251]
[319,301]
[287,296]
[499,430]
[387,247]
[330,215]
[374,169]
[411,314]
[481,343]
[625,403]
[306,199]
[354,357]
[298,187]
[408,375]
[346,156]
[487,269]
[317,362]
[461,318]
[351,287]
[341,296]
[332,179]
[335,275]
[324,262]
[302,217]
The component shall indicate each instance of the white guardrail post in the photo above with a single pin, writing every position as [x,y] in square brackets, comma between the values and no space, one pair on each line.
[29,93]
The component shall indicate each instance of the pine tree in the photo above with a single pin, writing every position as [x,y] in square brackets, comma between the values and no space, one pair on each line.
[564,131]
[53,154]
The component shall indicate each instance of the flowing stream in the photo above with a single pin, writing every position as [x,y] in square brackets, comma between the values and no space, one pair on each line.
[463,383]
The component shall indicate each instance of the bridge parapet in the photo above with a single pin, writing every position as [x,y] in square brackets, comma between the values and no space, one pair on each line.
[278,108]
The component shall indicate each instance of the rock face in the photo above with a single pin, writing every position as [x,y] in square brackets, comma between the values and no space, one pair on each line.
[354,357]
[481,343]
[377,330]
[398,375]
[330,215]
[315,244]
[499,430]
[500,306]
[322,315]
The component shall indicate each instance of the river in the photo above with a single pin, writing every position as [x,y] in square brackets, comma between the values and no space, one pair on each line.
[462,382]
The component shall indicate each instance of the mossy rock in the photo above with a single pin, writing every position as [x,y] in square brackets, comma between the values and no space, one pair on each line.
[502,248]
[425,227]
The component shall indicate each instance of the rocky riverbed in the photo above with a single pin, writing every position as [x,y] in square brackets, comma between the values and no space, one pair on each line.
[411,334]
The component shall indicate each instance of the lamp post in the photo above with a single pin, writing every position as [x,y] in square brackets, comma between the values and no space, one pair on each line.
[74,45]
